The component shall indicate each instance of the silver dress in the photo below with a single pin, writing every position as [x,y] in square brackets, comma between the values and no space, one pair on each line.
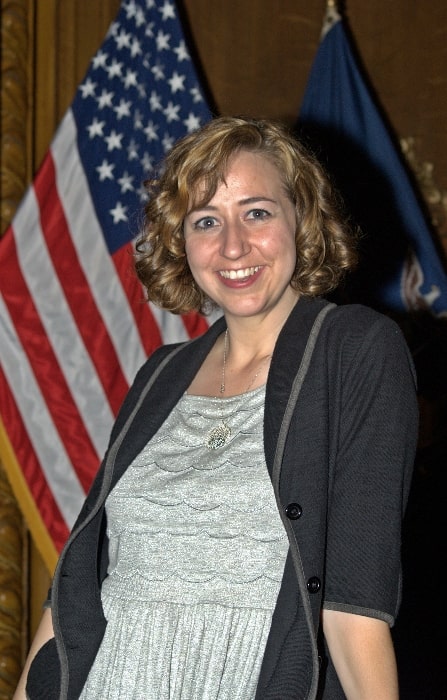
[197,552]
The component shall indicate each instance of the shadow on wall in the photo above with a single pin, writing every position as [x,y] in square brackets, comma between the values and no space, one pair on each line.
[420,630]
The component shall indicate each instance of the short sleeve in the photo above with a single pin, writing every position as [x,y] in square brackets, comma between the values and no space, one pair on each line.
[376,441]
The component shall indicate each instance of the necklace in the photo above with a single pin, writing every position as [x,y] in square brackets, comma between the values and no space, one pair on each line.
[219,436]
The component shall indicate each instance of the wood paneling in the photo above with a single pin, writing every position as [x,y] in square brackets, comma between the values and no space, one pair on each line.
[68,34]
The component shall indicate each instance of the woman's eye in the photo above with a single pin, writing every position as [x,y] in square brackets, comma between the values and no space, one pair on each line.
[205,223]
[258,214]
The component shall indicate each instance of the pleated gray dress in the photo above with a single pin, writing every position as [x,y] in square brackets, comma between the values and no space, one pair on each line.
[197,552]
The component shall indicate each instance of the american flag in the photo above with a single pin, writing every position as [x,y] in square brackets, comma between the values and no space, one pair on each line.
[74,325]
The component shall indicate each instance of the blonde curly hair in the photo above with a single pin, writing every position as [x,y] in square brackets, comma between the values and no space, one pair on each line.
[325,242]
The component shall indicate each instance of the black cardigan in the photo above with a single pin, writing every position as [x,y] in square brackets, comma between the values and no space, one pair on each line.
[340,461]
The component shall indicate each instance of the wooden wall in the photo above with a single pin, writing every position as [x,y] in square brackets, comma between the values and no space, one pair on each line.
[256,56]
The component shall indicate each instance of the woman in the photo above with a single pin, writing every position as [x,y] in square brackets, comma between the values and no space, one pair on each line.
[242,537]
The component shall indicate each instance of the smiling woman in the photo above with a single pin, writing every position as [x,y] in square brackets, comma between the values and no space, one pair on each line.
[198,166]
[240,246]
[243,536]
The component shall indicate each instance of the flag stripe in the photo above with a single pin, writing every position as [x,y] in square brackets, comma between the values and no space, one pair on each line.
[145,322]
[41,429]
[103,282]
[48,536]
[171,327]
[195,324]
[75,289]
[38,282]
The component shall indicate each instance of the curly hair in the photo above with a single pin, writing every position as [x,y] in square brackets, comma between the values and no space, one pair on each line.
[190,175]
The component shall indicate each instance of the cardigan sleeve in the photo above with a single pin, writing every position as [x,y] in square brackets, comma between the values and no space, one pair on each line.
[375,429]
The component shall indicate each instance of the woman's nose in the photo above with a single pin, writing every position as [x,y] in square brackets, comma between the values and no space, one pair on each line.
[234,241]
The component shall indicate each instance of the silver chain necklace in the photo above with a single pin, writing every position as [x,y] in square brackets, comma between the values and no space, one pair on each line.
[217,437]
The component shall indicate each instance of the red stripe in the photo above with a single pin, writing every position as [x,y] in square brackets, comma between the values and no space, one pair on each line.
[151,338]
[76,288]
[30,466]
[195,324]
[44,363]
[147,326]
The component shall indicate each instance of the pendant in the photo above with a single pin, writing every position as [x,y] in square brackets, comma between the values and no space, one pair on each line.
[217,437]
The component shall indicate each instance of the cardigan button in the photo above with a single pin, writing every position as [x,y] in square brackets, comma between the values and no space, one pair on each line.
[313,584]
[294,511]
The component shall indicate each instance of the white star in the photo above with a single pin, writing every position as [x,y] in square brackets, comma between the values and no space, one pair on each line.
[105,99]
[162,41]
[196,95]
[168,142]
[139,17]
[135,49]
[88,88]
[118,213]
[151,131]
[95,128]
[182,52]
[123,109]
[105,170]
[176,82]
[130,8]
[114,141]
[123,40]
[132,150]
[99,61]
[192,123]
[142,192]
[130,78]
[141,90]
[167,11]
[137,119]
[149,31]
[150,4]
[113,29]
[125,182]
[147,162]
[155,101]
[171,112]
[158,72]
[114,69]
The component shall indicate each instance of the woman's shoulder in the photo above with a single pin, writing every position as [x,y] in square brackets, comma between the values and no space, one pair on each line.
[356,333]
[359,314]
[357,320]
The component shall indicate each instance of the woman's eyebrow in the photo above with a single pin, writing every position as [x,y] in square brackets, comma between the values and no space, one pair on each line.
[245,201]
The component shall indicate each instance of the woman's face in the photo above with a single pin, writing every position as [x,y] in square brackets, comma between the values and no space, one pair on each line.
[240,245]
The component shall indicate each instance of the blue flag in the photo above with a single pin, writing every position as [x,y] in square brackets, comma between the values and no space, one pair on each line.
[401,269]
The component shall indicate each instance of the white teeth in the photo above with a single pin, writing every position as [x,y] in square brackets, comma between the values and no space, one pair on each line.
[239,274]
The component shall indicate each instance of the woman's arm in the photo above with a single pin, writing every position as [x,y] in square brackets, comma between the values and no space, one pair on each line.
[362,651]
[43,634]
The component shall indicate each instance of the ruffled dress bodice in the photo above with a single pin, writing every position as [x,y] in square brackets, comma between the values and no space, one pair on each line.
[196,557]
